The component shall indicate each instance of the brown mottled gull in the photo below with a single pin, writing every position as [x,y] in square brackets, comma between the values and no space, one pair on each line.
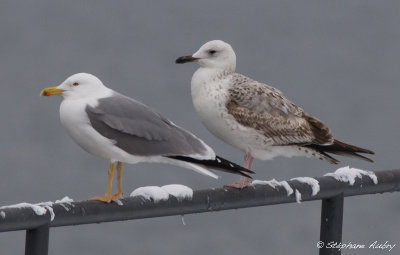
[255,117]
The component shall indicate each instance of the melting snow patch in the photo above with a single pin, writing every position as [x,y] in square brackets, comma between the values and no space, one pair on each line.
[181,192]
[151,193]
[347,174]
[310,181]
[64,202]
[157,194]
[119,202]
[36,208]
[298,196]
[274,183]
[49,207]
[289,189]
[39,208]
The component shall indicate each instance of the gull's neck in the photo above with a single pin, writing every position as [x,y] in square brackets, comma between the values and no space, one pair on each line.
[207,74]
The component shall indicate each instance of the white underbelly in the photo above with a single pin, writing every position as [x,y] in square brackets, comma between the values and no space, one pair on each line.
[211,109]
[249,140]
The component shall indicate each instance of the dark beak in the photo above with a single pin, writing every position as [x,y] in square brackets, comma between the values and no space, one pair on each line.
[185,59]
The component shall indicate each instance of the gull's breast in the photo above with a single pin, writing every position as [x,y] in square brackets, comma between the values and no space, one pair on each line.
[75,120]
[210,99]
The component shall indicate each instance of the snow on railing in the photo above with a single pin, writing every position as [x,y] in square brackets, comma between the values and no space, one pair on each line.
[175,199]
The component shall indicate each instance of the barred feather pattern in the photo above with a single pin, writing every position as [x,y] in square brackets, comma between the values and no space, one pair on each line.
[264,108]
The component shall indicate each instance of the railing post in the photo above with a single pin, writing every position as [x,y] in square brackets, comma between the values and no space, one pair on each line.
[331,225]
[37,241]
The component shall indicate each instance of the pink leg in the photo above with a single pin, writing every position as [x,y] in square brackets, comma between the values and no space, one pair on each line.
[244,181]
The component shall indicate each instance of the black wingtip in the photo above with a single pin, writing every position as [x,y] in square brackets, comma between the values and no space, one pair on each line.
[343,149]
[364,158]
[329,158]
[338,145]
[232,165]
[354,155]
[218,163]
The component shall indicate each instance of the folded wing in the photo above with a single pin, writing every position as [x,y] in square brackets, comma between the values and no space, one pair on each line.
[264,108]
[139,130]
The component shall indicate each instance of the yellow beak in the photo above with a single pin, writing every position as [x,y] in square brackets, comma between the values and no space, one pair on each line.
[51,91]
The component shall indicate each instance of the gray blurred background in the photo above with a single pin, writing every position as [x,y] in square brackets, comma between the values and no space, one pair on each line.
[339,60]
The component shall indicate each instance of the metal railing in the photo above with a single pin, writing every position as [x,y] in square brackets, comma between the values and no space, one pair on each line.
[332,193]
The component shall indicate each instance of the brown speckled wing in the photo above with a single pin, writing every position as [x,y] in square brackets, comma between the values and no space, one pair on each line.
[264,108]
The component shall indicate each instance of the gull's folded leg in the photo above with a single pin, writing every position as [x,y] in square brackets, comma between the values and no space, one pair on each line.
[107,197]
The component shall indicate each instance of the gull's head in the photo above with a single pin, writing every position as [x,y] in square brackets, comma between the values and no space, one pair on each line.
[213,54]
[76,86]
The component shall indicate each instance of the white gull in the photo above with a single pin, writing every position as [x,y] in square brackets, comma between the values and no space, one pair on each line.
[121,129]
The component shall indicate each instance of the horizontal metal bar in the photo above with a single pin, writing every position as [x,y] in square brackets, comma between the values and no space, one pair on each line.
[87,212]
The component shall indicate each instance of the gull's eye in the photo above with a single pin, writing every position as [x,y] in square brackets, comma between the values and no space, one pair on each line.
[75,84]
[212,52]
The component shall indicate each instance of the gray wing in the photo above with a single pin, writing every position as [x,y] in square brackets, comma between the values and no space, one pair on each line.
[264,108]
[139,130]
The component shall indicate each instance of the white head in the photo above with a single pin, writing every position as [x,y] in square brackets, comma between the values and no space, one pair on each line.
[77,86]
[213,54]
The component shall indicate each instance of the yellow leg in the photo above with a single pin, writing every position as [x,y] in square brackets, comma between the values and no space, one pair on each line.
[118,195]
[107,197]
